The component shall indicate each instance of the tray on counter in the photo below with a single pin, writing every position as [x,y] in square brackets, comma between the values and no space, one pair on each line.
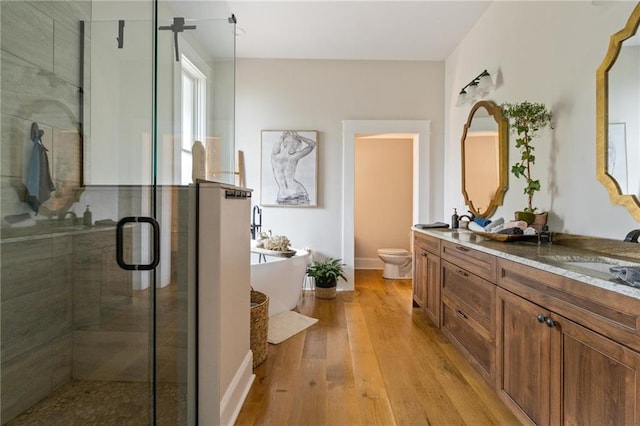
[505,237]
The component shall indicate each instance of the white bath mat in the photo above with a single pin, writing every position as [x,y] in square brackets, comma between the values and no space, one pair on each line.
[287,324]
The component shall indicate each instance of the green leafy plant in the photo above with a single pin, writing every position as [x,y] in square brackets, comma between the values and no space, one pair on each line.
[526,119]
[326,272]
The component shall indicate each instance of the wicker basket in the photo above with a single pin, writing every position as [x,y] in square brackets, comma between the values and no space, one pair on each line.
[259,326]
[325,292]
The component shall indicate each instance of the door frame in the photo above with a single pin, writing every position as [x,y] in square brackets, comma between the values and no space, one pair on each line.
[420,129]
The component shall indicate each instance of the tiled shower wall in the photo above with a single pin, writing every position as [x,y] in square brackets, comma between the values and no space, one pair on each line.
[40,81]
[41,65]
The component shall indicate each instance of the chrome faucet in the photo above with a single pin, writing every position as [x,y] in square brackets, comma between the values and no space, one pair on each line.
[632,237]
[469,216]
[256,227]
[64,215]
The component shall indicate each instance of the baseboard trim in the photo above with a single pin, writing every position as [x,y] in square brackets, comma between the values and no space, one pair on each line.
[368,263]
[235,395]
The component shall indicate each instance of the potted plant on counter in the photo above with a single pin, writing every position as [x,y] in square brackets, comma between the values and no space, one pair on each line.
[326,274]
[526,119]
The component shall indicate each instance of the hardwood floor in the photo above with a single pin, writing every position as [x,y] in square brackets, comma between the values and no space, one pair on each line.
[370,360]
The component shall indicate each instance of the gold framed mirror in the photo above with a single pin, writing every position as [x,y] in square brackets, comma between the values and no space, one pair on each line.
[618,117]
[484,159]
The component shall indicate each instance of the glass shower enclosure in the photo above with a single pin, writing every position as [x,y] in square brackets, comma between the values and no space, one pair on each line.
[101,103]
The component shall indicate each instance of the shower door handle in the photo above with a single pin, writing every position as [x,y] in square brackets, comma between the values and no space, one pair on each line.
[120,243]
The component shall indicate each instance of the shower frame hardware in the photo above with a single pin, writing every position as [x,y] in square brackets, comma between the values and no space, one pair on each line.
[120,37]
[178,26]
[155,226]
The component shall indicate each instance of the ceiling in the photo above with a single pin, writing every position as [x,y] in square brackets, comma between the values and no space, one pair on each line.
[376,30]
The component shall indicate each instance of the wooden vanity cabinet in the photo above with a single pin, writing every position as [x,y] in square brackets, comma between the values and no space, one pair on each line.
[426,275]
[478,263]
[523,373]
[468,305]
[557,350]
[552,370]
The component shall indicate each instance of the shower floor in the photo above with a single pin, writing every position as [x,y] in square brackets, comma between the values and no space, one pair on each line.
[106,403]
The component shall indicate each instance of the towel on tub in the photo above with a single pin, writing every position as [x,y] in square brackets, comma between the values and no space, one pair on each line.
[38,180]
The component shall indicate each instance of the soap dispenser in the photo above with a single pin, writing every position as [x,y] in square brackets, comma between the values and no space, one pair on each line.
[454,219]
[87,217]
[544,236]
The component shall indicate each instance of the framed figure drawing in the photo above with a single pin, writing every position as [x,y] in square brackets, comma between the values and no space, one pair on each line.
[288,168]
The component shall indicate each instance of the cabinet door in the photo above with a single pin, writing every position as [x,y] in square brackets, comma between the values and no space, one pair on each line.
[426,283]
[420,277]
[433,302]
[600,379]
[523,358]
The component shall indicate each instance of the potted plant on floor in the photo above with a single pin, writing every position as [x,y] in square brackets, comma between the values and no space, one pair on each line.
[526,119]
[326,274]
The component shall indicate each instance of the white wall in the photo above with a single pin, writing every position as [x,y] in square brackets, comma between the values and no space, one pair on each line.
[553,61]
[383,177]
[318,95]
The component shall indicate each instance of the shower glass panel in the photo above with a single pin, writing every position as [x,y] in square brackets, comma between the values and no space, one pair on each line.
[195,92]
[90,108]
[78,342]
[195,76]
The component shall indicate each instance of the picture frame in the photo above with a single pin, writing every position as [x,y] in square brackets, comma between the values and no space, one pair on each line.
[617,155]
[288,168]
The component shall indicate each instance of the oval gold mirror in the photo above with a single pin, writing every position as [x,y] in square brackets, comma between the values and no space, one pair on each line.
[484,159]
[618,117]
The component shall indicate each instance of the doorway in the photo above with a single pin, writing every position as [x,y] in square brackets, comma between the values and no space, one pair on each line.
[383,196]
[419,130]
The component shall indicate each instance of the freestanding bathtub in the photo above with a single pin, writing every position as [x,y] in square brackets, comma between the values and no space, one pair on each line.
[280,278]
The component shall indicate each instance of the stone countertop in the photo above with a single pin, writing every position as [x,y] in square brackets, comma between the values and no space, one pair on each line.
[541,256]
[37,232]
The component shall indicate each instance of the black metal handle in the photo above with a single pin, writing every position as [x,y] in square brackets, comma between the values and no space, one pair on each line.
[461,314]
[120,243]
[461,272]
[540,318]
[462,248]
[120,37]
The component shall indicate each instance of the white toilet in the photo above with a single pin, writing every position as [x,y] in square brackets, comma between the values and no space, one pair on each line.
[397,263]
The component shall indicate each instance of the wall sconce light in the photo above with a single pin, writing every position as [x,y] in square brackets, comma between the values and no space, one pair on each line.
[477,88]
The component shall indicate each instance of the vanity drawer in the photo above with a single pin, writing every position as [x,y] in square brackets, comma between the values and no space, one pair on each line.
[476,295]
[459,327]
[611,314]
[427,242]
[474,261]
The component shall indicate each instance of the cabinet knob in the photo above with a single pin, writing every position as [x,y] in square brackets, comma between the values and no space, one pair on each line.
[423,254]
[546,320]
[550,322]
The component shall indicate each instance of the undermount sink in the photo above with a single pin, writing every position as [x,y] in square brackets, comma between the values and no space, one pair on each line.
[591,263]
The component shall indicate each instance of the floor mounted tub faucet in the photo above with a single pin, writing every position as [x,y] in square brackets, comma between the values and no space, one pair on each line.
[256,226]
